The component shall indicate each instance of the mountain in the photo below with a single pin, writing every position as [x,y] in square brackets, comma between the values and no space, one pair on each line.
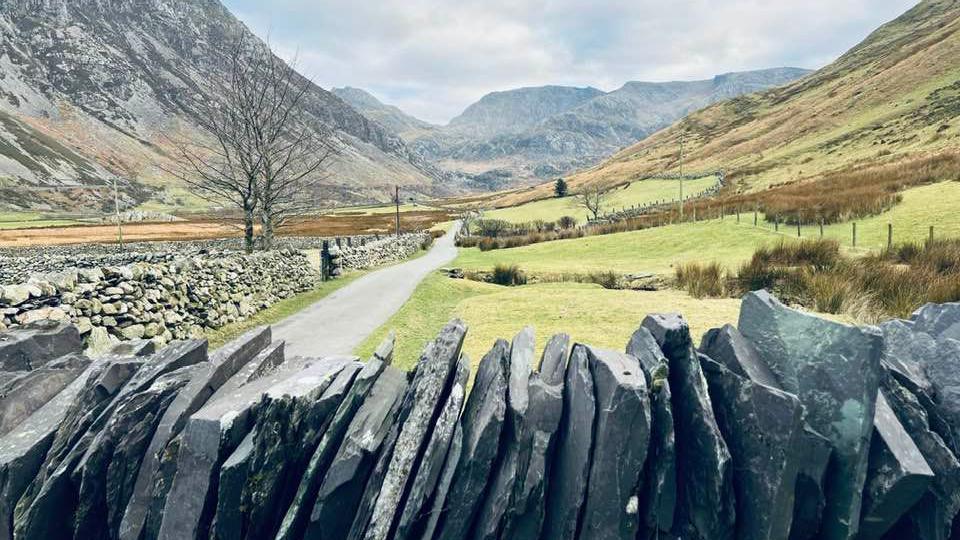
[91,90]
[388,116]
[892,98]
[543,132]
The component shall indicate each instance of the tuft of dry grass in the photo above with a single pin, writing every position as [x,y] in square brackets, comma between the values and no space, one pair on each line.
[702,281]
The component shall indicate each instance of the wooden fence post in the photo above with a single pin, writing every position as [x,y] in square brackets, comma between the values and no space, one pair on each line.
[821,228]
[776,223]
[889,235]
[798,226]
[738,214]
[931,233]
[755,217]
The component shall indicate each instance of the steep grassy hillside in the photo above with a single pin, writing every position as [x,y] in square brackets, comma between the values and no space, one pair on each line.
[894,96]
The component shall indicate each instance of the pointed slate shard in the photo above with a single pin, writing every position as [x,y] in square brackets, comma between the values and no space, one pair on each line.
[658,498]
[417,507]
[29,347]
[225,371]
[343,483]
[930,519]
[22,450]
[515,443]
[288,429]
[213,433]
[429,388]
[621,438]
[30,390]
[941,369]
[545,390]
[728,347]
[705,497]
[105,476]
[814,451]
[905,350]
[762,427]
[941,321]
[228,521]
[482,421]
[897,475]
[384,352]
[835,370]
[574,450]
[297,515]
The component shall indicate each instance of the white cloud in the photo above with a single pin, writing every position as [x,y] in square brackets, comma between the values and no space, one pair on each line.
[432,58]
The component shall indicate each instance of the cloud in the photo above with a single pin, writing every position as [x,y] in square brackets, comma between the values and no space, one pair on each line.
[432,58]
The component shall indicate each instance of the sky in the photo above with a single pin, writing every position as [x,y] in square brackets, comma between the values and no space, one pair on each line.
[433,58]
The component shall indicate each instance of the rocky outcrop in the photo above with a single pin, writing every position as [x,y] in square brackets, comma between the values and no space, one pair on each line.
[593,444]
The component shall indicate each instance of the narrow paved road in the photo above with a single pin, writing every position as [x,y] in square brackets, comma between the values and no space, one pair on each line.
[343,320]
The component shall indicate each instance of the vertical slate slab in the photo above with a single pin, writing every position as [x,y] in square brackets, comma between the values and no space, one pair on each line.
[728,346]
[810,499]
[22,451]
[515,443]
[228,521]
[443,485]
[482,421]
[30,390]
[763,427]
[213,433]
[30,346]
[905,350]
[574,450]
[706,507]
[658,498]
[941,321]
[835,370]
[342,487]
[415,514]
[545,391]
[621,438]
[941,369]
[429,388]
[930,519]
[897,476]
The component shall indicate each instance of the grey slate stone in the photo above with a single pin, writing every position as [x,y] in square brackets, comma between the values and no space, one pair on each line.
[417,506]
[944,374]
[706,507]
[835,370]
[443,485]
[621,439]
[810,499]
[228,520]
[515,443]
[22,450]
[728,347]
[24,394]
[429,386]
[930,519]
[553,362]
[297,515]
[574,450]
[897,476]
[213,433]
[482,420]
[342,487]
[658,498]
[941,321]
[906,350]
[763,427]
[30,346]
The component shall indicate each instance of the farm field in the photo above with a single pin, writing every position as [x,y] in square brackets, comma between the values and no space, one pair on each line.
[589,313]
[24,220]
[637,193]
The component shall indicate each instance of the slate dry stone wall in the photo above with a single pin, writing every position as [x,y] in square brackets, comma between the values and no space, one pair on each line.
[786,427]
[163,301]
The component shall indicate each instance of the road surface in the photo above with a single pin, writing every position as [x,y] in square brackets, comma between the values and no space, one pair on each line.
[340,322]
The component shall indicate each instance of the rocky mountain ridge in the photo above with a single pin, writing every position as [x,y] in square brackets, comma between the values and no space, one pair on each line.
[92,88]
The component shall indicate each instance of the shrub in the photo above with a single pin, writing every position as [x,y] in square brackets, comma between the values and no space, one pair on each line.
[567,222]
[607,280]
[508,275]
[702,281]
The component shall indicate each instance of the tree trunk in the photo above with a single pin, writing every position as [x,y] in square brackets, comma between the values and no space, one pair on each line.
[248,219]
[266,234]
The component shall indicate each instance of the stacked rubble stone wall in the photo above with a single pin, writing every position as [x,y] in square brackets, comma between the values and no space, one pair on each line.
[787,426]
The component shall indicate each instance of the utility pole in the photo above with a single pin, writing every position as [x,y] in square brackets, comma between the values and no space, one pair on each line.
[116,209]
[396,200]
[681,177]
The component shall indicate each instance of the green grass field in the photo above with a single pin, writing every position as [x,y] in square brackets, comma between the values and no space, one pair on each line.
[29,220]
[637,193]
[658,250]
[590,314]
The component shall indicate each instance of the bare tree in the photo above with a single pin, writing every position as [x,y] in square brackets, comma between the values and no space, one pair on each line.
[468,218]
[593,199]
[263,152]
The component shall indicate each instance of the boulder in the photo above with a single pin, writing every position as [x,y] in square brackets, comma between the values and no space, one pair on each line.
[574,449]
[621,438]
[482,420]
[342,486]
[428,390]
[33,345]
[706,507]
[762,427]
[897,475]
[658,498]
[835,371]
